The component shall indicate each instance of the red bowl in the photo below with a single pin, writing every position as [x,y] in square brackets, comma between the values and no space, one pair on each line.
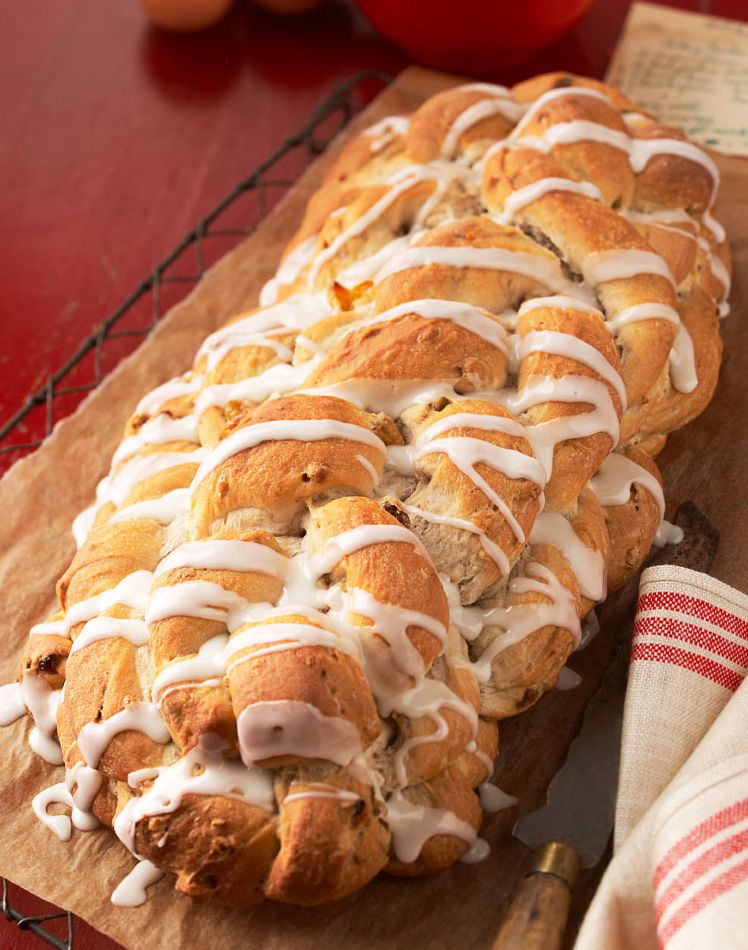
[473,35]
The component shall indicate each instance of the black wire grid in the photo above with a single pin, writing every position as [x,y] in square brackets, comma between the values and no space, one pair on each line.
[229,222]
[121,332]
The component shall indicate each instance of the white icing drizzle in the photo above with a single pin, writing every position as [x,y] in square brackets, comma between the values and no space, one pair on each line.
[466,453]
[94,737]
[667,533]
[264,639]
[573,389]
[195,598]
[560,301]
[401,181]
[642,150]
[479,850]
[621,263]
[86,782]
[590,629]
[639,151]
[392,396]
[518,199]
[717,266]
[118,485]
[612,485]
[165,509]
[500,102]
[577,130]
[428,698]
[293,314]
[321,790]
[131,890]
[185,385]
[411,826]
[613,481]
[206,667]
[642,311]
[83,523]
[157,431]
[394,668]
[493,799]
[288,727]
[368,268]
[564,344]
[470,318]
[663,218]
[349,542]
[42,702]
[542,268]
[226,555]
[275,380]
[683,373]
[469,621]
[391,662]
[386,131]
[132,591]
[49,628]
[12,706]
[550,96]
[587,563]
[520,620]
[301,430]
[107,628]
[202,771]
[290,268]
[474,420]
[365,463]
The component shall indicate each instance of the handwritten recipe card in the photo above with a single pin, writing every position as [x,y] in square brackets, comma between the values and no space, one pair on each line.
[689,69]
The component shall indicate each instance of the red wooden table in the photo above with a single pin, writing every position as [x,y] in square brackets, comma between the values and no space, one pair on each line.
[118,137]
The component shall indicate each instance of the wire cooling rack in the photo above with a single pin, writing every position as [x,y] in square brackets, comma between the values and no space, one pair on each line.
[229,222]
[233,219]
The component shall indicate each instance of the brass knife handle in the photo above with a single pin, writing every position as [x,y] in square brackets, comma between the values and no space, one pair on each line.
[537,916]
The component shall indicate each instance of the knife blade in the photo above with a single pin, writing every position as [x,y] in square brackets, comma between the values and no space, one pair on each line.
[573,828]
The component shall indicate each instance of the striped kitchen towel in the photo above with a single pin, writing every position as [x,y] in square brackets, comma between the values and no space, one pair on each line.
[679,875]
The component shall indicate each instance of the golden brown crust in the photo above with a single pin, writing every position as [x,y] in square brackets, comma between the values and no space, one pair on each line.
[431,123]
[450,791]
[218,848]
[396,461]
[276,477]
[325,678]
[450,492]
[631,526]
[411,347]
[493,290]
[328,847]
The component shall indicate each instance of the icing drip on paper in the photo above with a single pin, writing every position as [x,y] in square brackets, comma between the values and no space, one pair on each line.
[493,799]
[131,890]
[86,782]
[12,706]
[42,702]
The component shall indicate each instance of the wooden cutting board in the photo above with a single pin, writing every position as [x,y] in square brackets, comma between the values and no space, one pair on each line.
[40,496]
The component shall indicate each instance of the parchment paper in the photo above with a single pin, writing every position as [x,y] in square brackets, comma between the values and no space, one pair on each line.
[41,494]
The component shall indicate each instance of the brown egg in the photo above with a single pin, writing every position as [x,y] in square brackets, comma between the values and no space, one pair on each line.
[184,16]
[288,6]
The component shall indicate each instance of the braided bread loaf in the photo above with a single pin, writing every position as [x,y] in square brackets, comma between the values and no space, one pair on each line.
[368,523]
